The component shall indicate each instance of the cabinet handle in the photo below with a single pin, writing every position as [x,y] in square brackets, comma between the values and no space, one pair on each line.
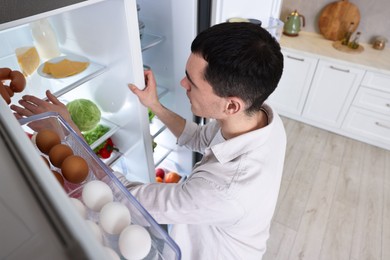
[382,125]
[335,68]
[388,105]
[294,58]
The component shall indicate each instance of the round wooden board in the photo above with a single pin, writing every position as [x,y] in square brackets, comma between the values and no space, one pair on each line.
[335,19]
[338,46]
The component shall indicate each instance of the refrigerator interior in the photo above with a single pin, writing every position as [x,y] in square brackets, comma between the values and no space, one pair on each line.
[175,23]
[106,33]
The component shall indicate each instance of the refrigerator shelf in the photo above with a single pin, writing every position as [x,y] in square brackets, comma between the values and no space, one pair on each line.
[37,85]
[160,154]
[156,127]
[161,91]
[150,40]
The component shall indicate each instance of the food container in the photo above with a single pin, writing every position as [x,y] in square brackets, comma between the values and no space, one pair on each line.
[162,246]
[379,43]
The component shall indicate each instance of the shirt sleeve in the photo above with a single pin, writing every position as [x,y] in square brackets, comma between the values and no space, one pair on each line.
[197,138]
[194,201]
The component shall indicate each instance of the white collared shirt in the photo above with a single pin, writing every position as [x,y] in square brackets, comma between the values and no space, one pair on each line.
[224,208]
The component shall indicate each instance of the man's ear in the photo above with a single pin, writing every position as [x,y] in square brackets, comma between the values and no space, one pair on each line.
[234,105]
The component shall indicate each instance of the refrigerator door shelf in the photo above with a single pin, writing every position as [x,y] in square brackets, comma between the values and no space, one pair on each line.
[37,85]
[163,247]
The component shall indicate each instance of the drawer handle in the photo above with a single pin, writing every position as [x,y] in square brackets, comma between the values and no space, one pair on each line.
[335,68]
[294,58]
[382,125]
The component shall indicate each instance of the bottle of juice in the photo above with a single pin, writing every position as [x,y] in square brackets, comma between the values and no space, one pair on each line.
[45,39]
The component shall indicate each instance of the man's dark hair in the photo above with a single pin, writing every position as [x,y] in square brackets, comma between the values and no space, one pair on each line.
[244,61]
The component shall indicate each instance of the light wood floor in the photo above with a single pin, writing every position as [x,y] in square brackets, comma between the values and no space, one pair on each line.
[334,201]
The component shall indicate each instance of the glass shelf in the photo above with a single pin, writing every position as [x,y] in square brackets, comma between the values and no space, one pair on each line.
[37,85]
[150,40]
[160,154]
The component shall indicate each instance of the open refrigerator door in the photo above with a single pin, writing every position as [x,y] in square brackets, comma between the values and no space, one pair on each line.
[105,35]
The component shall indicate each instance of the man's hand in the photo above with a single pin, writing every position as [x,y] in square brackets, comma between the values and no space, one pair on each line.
[31,105]
[148,96]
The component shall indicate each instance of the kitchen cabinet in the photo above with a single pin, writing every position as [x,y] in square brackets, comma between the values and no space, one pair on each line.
[348,94]
[368,118]
[290,95]
[332,90]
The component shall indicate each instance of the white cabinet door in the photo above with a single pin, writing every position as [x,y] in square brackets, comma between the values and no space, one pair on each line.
[333,88]
[290,95]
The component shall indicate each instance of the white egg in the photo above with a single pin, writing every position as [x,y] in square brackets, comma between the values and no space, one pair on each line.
[114,217]
[134,242]
[95,230]
[111,254]
[96,194]
[81,209]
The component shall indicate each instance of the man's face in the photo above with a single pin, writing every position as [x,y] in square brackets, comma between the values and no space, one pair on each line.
[204,102]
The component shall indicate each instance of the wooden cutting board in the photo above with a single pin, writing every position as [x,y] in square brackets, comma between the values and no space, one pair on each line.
[336,18]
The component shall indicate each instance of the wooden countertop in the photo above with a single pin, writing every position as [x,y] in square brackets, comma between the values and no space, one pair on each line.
[316,44]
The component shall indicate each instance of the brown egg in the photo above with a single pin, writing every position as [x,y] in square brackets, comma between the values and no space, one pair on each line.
[59,153]
[46,139]
[59,177]
[74,169]
[46,161]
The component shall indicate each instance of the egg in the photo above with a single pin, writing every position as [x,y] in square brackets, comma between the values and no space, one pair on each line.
[46,139]
[59,177]
[111,254]
[95,230]
[74,169]
[59,153]
[96,194]
[134,242]
[81,209]
[114,217]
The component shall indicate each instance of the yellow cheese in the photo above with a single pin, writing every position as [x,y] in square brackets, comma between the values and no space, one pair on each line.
[64,68]
[28,59]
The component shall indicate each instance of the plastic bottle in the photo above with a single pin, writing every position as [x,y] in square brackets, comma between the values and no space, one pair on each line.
[355,43]
[45,39]
[348,34]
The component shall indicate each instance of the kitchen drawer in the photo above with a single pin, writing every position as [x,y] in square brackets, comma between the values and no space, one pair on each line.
[369,126]
[378,81]
[375,100]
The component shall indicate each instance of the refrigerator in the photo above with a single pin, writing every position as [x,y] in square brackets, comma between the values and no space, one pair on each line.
[119,39]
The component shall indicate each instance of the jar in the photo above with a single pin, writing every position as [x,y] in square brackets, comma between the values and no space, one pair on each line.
[45,39]
[379,43]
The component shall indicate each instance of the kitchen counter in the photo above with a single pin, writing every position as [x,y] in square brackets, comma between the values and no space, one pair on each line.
[316,44]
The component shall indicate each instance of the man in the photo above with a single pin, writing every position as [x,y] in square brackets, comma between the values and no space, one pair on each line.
[224,208]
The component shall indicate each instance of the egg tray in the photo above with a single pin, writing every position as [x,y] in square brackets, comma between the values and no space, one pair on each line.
[163,247]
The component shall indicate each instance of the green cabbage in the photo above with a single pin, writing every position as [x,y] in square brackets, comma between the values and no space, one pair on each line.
[85,114]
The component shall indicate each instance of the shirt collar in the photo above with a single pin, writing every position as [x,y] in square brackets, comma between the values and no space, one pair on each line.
[227,150]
